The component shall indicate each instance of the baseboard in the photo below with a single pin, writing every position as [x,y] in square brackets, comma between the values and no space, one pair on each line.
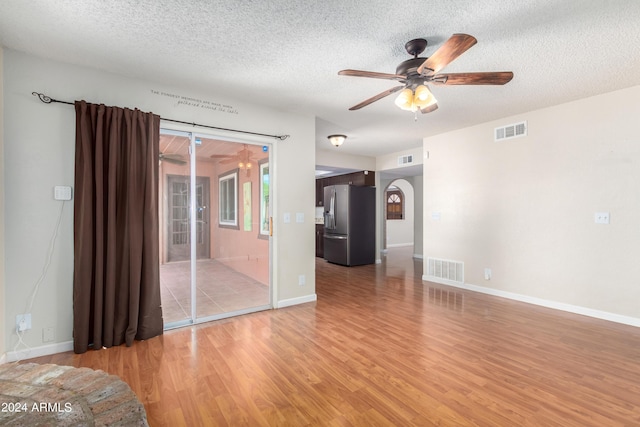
[418,256]
[44,350]
[3,358]
[295,301]
[604,315]
[400,245]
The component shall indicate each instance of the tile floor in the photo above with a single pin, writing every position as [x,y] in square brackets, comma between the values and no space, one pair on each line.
[220,289]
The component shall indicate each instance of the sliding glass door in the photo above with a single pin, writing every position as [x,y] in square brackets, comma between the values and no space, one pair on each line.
[215,243]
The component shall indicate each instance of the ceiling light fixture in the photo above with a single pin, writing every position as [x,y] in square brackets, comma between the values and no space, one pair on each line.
[410,100]
[337,140]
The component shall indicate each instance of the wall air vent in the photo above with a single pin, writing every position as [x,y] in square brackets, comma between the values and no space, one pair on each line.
[405,160]
[445,269]
[511,131]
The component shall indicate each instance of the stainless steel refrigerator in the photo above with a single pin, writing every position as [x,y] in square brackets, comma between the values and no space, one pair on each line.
[349,224]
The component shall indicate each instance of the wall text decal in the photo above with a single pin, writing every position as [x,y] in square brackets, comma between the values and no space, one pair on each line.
[195,102]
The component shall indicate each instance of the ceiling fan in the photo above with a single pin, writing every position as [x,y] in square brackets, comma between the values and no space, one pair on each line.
[416,73]
[243,158]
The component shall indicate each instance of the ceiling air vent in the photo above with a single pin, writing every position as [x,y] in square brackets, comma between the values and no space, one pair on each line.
[405,160]
[511,131]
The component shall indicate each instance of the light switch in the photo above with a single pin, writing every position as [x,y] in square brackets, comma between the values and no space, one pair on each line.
[62,192]
[299,217]
[286,218]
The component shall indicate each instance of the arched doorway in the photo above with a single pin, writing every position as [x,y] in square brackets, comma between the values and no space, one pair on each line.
[399,214]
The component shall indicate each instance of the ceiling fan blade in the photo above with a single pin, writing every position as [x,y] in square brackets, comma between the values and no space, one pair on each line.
[371,74]
[490,78]
[220,156]
[177,159]
[450,50]
[375,98]
[431,108]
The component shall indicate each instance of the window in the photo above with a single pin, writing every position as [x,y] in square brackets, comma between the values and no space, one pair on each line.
[395,204]
[228,203]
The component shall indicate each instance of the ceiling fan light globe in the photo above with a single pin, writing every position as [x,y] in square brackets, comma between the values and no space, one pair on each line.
[405,99]
[422,93]
[423,97]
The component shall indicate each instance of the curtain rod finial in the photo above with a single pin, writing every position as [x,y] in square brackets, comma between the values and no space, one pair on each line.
[44,98]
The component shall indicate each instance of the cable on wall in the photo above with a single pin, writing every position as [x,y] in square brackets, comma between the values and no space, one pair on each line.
[45,269]
[48,100]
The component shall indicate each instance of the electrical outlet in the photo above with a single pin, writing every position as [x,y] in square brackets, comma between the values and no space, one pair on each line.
[602,217]
[301,280]
[23,322]
[48,334]
[487,274]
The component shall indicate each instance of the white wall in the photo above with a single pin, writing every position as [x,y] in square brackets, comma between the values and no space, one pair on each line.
[418,235]
[339,159]
[39,153]
[2,274]
[390,161]
[525,207]
[400,231]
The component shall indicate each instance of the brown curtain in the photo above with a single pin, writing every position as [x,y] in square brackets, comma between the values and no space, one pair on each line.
[116,281]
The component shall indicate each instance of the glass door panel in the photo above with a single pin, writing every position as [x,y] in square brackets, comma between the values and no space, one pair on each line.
[219,264]
[236,277]
[175,235]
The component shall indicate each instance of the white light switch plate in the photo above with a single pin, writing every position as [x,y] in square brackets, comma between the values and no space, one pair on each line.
[286,217]
[299,217]
[62,192]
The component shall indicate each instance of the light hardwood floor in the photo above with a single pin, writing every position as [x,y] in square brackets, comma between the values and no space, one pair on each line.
[381,347]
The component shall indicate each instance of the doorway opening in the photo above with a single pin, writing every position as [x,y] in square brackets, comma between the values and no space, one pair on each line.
[215,251]
[399,214]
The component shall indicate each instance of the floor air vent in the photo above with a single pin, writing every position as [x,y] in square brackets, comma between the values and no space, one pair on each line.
[405,160]
[445,269]
[511,131]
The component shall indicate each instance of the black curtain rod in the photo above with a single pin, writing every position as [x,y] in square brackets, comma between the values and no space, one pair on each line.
[48,100]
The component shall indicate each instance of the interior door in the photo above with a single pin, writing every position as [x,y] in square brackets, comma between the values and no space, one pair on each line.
[179,226]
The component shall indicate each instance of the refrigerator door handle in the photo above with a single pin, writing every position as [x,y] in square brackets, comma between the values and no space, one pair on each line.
[335,237]
[331,223]
[334,207]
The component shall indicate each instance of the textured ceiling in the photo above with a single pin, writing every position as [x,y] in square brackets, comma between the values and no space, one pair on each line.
[286,53]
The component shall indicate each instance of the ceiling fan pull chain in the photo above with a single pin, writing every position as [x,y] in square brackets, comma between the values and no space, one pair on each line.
[415,118]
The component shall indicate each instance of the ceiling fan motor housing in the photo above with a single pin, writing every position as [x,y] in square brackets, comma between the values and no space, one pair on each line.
[409,69]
